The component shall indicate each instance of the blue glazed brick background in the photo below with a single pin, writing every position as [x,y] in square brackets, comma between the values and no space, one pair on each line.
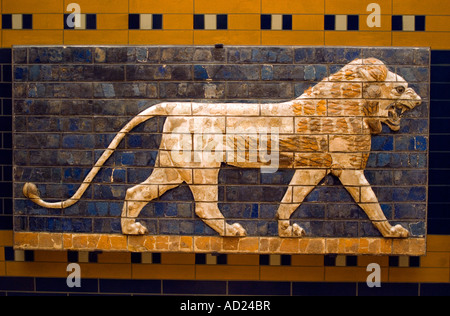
[69,103]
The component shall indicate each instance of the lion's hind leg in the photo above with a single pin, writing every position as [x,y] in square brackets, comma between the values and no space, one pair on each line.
[137,197]
[206,195]
[359,188]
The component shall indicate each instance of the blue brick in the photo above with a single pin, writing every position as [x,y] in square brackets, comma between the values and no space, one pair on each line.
[382,143]
[107,225]
[239,210]
[200,72]
[410,211]
[267,72]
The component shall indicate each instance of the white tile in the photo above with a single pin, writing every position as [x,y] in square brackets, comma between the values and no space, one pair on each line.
[210,22]
[341,23]
[17,21]
[146,21]
[409,22]
[277,22]
[82,18]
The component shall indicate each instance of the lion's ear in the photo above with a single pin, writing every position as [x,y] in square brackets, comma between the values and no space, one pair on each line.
[373,70]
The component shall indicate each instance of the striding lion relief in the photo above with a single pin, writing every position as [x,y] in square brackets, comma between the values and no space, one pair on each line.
[327,130]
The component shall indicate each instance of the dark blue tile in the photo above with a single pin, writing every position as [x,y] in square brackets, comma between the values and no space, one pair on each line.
[266,21]
[157,21]
[27,21]
[199,21]
[330,22]
[72,20]
[287,22]
[397,22]
[130,286]
[16,284]
[389,289]
[420,23]
[5,55]
[352,22]
[440,57]
[258,288]
[323,289]
[438,226]
[194,287]
[91,21]
[6,21]
[435,289]
[60,285]
[134,21]
[440,91]
[222,21]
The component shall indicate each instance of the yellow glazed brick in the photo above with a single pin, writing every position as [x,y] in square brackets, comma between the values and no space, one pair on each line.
[6,238]
[177,22]
[95,37]
[292,38]
[177,258]
[440,275]
[114,257]
[37,269]
[32,6]
[244,22]
[100,6]
[435,40]
[307,260]
[435,260]
[226,37]
[158,6]
[286,273]
[243,260]
[105,270]
[351,274]
[160,271]
[31,37]
[50,256]
[2,268]
[228,6]
[359,38]
[438,243]
[161,37]
[292,7]
[112,21]
[2,254]
[419,7]
[307,22]
[355,6]
[47,22]
[438,23]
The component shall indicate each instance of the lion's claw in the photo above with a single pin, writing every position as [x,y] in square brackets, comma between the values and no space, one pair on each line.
[286,230]
[133,228]
[235,230]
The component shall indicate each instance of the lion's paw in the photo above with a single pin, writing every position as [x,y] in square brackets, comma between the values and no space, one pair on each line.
[235,230]
[286,230]
[133,228]
[398,231]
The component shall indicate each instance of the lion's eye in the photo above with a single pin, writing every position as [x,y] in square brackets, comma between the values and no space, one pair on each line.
[400,89]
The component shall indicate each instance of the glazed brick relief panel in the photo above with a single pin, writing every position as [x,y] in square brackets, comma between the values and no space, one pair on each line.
[322,150]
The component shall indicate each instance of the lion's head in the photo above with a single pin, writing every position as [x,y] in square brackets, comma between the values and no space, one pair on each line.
[369,88]
[386,95]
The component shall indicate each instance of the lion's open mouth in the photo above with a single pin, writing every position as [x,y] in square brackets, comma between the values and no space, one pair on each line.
[395,112]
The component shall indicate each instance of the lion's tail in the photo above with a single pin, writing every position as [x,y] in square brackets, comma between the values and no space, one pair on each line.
[30,190]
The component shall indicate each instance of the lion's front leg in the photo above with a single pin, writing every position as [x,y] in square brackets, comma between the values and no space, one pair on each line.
[359,188]
[302,183]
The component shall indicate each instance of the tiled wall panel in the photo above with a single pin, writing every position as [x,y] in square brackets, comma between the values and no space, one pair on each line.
[35,272]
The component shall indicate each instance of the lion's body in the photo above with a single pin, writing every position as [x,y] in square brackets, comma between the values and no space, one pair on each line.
[326,130]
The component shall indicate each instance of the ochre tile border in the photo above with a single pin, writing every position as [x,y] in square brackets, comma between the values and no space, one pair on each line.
[213,244]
